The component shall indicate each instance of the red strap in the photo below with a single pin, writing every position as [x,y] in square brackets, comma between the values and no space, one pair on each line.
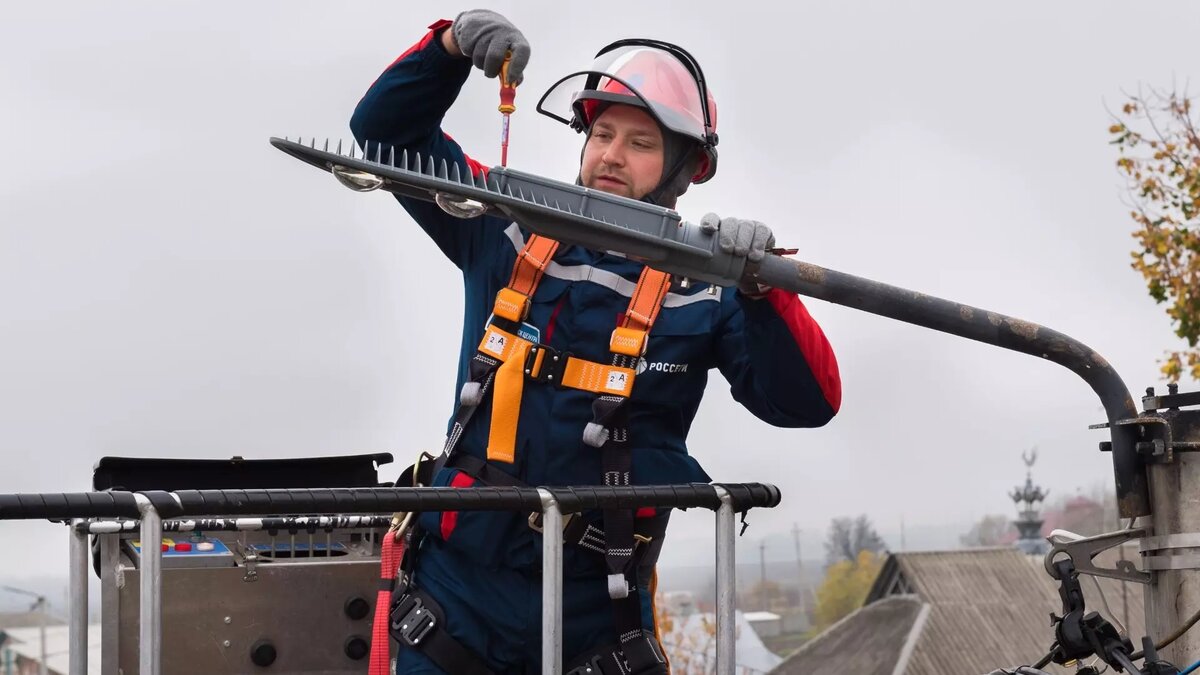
[450,518]
[389,565]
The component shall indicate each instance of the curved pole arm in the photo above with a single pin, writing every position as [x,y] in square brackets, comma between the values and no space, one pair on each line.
[990,328]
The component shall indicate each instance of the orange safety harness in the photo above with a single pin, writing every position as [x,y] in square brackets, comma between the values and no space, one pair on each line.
[521,359]
[507,359]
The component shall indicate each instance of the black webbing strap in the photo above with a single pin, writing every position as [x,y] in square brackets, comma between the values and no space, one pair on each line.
[648,535]
[611,659]
[577,531]
[643,654]
[483,472]
[637,651]
[417,621]
[481,371]
[616,461]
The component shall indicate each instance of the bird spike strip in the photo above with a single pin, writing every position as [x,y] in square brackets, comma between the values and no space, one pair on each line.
[570,213]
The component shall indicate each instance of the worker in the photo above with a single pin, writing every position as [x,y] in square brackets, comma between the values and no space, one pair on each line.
[577,366]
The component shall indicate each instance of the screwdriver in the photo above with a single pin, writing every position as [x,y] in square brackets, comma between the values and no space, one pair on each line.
[508,94]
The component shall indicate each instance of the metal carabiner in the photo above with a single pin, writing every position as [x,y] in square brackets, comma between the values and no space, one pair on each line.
[402,521]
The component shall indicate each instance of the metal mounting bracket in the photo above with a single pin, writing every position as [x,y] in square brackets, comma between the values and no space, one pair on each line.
[1166,545]
[1083,550]
[1150,436]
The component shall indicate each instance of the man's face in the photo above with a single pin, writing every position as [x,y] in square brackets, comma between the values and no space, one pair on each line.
[624,153]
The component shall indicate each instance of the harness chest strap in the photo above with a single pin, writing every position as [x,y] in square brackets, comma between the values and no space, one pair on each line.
[539,362]
[520,359]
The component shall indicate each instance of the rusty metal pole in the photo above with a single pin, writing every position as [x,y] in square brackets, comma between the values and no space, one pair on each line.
[1172,552]
[991,328]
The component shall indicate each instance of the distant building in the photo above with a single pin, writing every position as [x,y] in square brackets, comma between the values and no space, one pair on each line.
[867,642]
[20,650]
[691,646]
[23,619]
[1035,522]
[967,612]
[765,624]
[955,613]
[678,604]
[1028,500]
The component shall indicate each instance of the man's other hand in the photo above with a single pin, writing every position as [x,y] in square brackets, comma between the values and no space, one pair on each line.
[747,239]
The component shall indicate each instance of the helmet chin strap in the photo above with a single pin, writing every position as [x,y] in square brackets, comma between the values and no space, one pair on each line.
[674,183]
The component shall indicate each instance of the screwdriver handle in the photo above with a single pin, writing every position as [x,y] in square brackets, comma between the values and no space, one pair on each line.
[508,90]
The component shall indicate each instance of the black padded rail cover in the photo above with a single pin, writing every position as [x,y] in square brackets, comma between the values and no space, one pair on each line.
[361,500]
[576,499]
[138,474]
[746,496]
[62,506]
[164,503]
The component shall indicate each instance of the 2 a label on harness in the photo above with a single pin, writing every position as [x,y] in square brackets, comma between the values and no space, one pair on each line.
[495,343]
[616,380]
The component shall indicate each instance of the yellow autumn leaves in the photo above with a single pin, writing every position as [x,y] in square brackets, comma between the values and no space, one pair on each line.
[844,588]
[1159,147]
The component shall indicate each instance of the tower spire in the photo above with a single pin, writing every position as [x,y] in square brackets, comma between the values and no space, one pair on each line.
[1028,499]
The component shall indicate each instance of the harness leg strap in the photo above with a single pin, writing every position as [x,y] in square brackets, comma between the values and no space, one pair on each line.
[614,660]
[417,621]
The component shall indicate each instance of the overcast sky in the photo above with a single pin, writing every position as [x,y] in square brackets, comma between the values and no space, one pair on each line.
[172,286]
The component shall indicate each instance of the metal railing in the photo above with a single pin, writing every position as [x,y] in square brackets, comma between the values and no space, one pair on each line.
[85,512]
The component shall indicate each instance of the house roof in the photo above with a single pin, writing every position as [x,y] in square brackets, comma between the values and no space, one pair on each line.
[867,642]
[986,608]
[30,618]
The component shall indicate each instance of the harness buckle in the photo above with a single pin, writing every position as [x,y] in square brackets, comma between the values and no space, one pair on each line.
[535,520]
[512,305]
[628,341]
[544,364]
[592,667]
[411,620]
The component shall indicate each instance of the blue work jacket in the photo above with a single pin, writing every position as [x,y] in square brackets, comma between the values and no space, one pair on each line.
[773,354]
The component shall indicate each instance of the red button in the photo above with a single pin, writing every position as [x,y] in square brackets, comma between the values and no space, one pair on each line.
[183,547]
[166,548]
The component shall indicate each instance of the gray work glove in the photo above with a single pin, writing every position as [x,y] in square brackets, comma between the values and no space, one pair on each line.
[748,239]
[486,37]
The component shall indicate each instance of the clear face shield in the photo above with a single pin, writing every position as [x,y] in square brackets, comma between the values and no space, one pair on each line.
[642,73]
